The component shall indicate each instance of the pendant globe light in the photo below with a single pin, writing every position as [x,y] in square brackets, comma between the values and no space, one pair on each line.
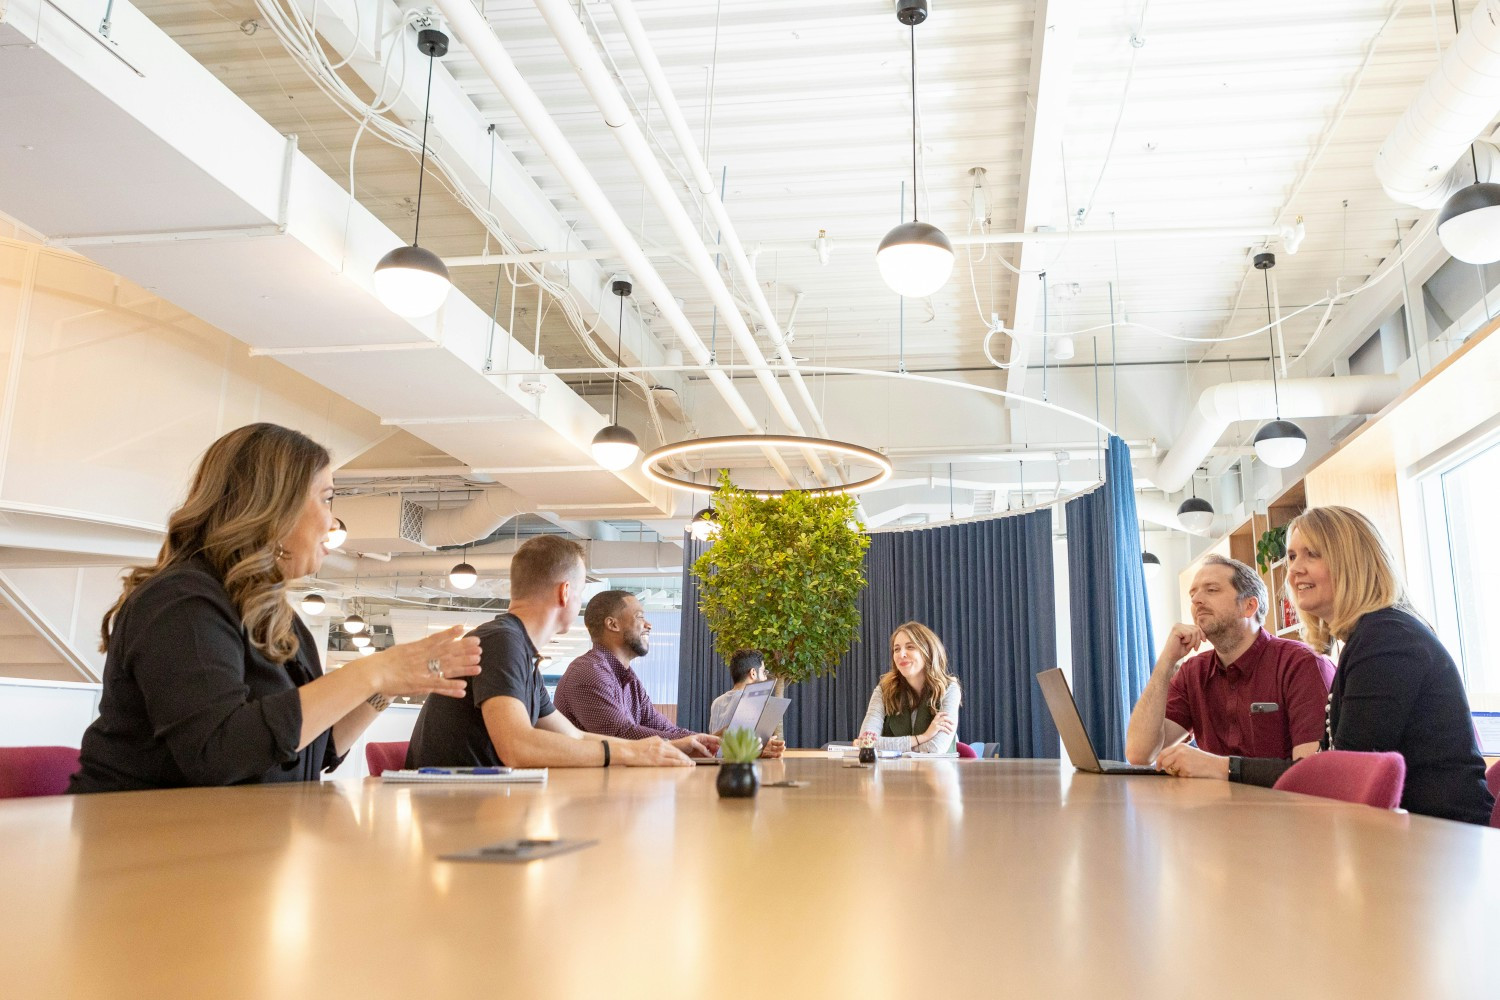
[337,534]
[705,525]
[413,281]
[1468,226]
[615,447]
[1151,565]
[360,640]
[354,625]
[463,576]
[915,258]
[313,604]
[1279,443]
[1195,514]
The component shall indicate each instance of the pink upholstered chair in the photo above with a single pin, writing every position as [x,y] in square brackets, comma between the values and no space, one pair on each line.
[964,750]
[28,771]
[385,756]
[1372,779]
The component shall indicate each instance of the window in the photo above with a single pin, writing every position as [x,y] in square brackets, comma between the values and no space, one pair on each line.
[1463,542]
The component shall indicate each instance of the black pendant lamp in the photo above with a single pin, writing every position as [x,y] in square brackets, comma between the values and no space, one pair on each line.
[463,576]
[615,447]
[1279,443]
[1468,226]
[413,281]
[1195,514]
[915,258]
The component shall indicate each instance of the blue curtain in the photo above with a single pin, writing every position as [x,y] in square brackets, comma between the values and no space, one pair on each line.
[1112,645]
[985,587]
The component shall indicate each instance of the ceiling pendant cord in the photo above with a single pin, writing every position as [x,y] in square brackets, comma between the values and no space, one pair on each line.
[614,413]
[1271,336]
[913,29]
[422,163]
[1046,302]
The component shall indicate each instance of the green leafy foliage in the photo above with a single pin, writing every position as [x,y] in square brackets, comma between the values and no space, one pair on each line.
[740,745]
[1270,547]
[782,577]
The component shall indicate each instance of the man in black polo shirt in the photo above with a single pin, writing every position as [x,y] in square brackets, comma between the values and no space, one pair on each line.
[506,717]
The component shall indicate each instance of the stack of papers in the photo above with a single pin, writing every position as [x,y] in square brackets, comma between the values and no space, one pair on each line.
[498,775]
[850,750]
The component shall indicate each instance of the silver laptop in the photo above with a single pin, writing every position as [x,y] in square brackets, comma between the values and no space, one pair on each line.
[756,708]
[1075,738]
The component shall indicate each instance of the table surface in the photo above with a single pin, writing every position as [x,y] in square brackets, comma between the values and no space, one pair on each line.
[944,879]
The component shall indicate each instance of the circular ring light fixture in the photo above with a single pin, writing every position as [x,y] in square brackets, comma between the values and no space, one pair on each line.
[745,441]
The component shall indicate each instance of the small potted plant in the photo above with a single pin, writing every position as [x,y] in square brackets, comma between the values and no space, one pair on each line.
[737,778]
[1270,547]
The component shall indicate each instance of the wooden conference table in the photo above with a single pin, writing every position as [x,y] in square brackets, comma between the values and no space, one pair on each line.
[916,879]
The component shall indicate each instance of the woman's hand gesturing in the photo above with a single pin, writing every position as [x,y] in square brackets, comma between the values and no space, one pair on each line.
[433,665]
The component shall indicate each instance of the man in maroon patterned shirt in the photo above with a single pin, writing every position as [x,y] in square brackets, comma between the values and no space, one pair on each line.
[599,692]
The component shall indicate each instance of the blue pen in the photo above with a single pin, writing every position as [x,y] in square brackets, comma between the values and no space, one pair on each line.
[433,770]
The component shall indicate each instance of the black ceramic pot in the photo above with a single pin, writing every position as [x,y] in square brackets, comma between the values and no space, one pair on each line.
[737,781]
[867,755]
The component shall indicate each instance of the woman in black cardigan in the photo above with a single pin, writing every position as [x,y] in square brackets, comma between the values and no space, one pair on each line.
[209,676]
[1396,687]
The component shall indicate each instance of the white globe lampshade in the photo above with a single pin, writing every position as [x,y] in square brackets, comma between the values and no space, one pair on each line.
[360,641]
[705,525]
[1280,444]
[338,534]
[1063,348]
[1195,514]
[412,282]
[463,576]
[1151,565]
[366,650]
[1469,224]
[354,624]
[915,259]
[313,604]
[615,448]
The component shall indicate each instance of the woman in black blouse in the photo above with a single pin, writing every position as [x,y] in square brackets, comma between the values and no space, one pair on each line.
[209,676]
[1395,688]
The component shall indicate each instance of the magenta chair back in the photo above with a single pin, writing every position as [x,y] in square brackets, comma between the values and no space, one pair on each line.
[1372,779]
[964,750]
[29,771]
[1492,778]
[385,756]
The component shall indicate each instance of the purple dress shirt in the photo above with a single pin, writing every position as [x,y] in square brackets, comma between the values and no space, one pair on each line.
[599,694]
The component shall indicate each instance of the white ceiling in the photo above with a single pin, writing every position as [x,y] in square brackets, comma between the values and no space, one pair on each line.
[1226,116]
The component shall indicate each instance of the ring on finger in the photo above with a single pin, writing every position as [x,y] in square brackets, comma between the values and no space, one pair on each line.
[435,667]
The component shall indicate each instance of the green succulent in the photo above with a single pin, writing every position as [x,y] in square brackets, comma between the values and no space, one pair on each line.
[1270,547]
[740,746]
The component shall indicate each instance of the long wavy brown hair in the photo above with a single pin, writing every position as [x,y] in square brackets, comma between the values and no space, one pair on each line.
[1360,567]
[898,695]
[248,492]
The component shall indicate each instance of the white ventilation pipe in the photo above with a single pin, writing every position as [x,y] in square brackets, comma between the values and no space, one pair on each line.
[1418,164]
[1223,404]
[640,44]
[563,21]
[474,31]
[480,518]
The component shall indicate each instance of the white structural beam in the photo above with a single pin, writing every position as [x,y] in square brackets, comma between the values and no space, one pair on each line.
[1046,111]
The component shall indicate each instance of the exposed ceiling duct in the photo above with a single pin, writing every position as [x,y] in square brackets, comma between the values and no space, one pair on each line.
[1420,161]
[1228,402]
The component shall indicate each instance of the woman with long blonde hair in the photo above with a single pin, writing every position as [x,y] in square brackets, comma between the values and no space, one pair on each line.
[1395,687]
[209,676]
[914,707]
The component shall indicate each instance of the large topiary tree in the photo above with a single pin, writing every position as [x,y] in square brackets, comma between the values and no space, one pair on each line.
[782,577]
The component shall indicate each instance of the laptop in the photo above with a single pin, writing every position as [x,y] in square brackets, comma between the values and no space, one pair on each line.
[1075,738]
[756,709]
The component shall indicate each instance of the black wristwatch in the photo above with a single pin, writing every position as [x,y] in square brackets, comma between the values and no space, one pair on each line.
[1234,768]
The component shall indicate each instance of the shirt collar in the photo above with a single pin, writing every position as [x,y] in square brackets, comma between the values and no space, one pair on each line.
[1247,660]
[620,669]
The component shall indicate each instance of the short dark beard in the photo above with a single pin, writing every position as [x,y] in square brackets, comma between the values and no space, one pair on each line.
[637,644]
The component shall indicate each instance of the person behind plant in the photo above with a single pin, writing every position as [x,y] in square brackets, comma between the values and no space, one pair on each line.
[915,704]
[209,676]
[1251,695]
[1395,689]
[507,717]
[600,693]
[746,666]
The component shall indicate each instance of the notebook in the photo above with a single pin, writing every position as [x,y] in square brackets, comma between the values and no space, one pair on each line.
[469,775]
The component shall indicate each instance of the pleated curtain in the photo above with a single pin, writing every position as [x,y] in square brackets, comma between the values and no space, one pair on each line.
[985,587]
[1111,621]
